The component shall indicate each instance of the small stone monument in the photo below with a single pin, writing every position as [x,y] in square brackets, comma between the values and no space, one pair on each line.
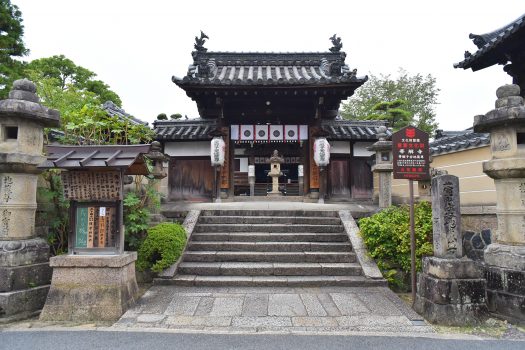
[505,257]
[383,167]
[451,289]
[251,179]
[24,258]
[275,173]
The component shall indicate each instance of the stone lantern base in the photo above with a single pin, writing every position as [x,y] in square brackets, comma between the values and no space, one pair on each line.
[505,275]
[451,292]
[91,287]
[24,278]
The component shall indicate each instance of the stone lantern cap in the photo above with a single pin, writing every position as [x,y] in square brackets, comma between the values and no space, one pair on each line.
[509,110]
[24,103]
[155,153]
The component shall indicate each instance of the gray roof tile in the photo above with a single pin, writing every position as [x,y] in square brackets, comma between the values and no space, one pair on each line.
[455,141]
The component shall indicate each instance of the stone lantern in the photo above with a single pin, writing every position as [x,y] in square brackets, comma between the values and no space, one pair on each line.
[505,257]
[158,172]
[24,258]
[383,167]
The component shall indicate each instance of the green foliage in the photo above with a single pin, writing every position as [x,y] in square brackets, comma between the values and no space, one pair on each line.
[162,247]
[162,116]
[138,205]
[387,237]
[176,116]
[54,212]
[64,73]
[419,93]
[393,112]
[135,220]
[11,46]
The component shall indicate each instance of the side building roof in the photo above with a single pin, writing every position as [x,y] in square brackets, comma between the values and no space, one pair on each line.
[455,141]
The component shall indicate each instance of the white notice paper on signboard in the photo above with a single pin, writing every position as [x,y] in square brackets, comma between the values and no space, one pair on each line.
[102,211]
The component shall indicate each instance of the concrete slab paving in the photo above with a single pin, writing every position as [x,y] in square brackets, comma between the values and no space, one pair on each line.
[273,309]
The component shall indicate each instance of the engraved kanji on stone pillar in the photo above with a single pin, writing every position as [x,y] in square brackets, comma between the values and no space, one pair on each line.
[446,217]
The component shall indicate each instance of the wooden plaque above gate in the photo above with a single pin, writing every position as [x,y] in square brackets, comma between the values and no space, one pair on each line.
[92,185]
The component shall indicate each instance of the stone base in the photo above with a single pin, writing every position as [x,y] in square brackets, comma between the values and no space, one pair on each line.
[506,292]
[505,256]
[23,277]
[451,292]
[21,304]
[89,288]
[275,194]
[23,252]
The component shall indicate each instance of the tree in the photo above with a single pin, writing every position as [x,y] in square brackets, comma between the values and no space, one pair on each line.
[162,116]
[393,112]
[11,46]
[176,116]
[65,74]
[418,92]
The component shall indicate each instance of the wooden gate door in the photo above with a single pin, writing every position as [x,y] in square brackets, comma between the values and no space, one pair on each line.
[339,178]
[361,179]
[190,179]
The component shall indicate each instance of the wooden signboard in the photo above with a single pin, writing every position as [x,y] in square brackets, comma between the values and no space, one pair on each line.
[95,227]
[92,185]
[411,157]
[81,229]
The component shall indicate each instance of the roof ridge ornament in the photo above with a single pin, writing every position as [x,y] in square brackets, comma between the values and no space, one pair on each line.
[199,42]
[336,41]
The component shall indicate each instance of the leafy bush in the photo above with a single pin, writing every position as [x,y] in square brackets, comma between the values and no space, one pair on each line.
[162,247]
[387,237]
[53,211]
[136,218]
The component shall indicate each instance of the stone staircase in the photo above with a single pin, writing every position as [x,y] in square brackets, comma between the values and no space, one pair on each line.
[269,248]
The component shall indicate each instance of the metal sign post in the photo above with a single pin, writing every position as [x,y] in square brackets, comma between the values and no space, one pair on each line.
[411,162]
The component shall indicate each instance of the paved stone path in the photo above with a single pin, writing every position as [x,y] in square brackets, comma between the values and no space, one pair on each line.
[310,310]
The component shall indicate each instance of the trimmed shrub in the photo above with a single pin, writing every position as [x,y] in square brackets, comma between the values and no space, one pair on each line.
[387,237]
[162,247]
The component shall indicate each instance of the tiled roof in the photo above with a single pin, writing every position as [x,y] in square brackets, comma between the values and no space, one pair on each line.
[198,129]
[455,141]
[489,43]
[191,129]
[353,129]
[114,110]
[94,157]
[272,69]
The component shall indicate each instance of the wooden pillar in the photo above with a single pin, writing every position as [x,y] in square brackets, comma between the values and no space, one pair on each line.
[313,168]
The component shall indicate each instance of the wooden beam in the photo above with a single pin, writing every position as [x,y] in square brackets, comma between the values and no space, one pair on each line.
[82,162]
[112,157]
[61,159]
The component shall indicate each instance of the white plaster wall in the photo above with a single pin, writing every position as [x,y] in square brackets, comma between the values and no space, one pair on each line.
[244,165]
[340,147]
[187,149]
[360,149]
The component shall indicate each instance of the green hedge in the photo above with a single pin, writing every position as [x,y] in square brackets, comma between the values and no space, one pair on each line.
[162,247]
[387,237]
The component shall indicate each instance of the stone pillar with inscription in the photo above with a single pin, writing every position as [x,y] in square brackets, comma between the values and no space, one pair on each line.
[383,167]
[451,288]
[505,257]
[24,258]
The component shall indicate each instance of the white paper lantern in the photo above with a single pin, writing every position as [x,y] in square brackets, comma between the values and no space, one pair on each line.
[217,151]
[321,152]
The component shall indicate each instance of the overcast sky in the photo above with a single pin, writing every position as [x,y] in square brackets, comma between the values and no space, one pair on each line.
[136,46]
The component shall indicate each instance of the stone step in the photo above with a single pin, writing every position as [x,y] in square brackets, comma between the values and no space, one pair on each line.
[290,213]
[271,246]
[270,237]
[268,269]
[268,228]
[271,281]
[315,257]
[292,220]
